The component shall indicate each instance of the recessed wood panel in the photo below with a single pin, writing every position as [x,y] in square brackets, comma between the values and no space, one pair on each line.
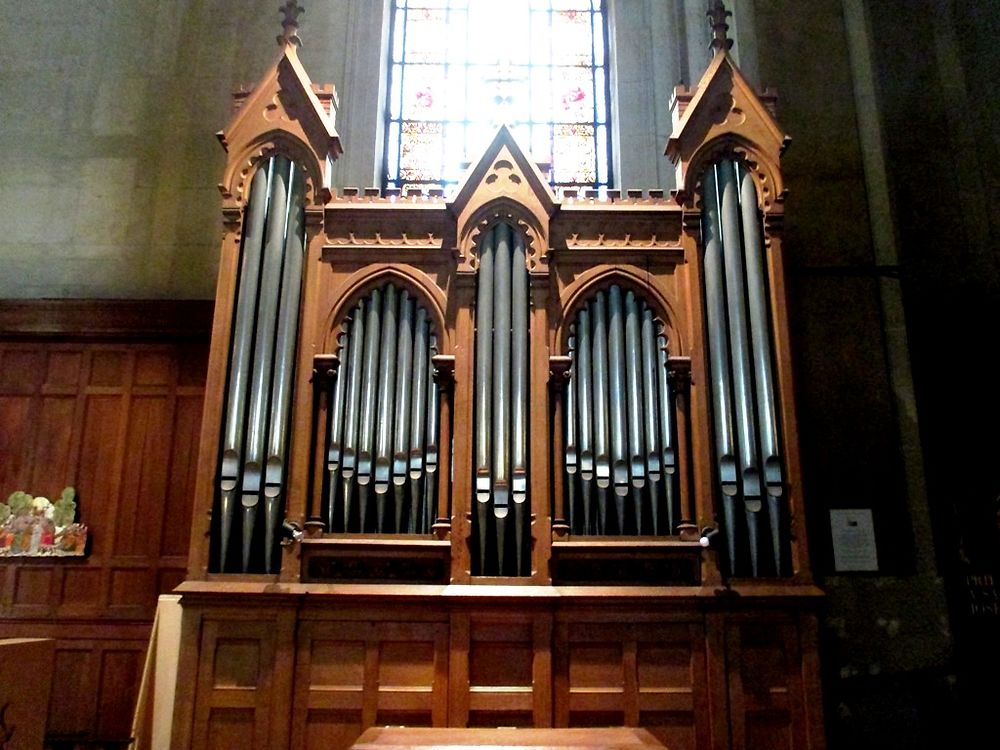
[108,368]
[81,588]
[72,706]
[406,664]
[132,588]
[176,523]
[595,666]
[33,585]
[331,730]
[153,368]
[120,672]
[230,729]
[237,662]
[768,731]
[144,485]
[15,444]
[51,452]
[21,369]
[499,664]
[63,368]
[337,663]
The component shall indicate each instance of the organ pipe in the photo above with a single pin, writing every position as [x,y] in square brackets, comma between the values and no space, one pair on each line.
[406,425]
[484,388]
[261,365]
[335,438]
[284,364]
[260,381]
[764,380]
[519,388]
[718,333]
[501,401]
[239,362]
[624,385]
[740,358]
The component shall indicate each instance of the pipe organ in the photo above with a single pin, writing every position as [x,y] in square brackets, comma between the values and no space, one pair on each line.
[620,457]
[506,457]
[381,442]
[252,469]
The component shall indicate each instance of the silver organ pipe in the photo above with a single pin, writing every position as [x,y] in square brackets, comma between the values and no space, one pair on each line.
[433,416]
[386,402]
[519,388]
[404,377]
[403,454]
[261,366]
[483,389]
[718,335]
[650,409]
[284,363]
[418,413]
[239,360]
[633,405]
[352,407]
[260,380]
[569,409]
[761,336]
[740,351]
[369,392]
[334,453]
[501,402]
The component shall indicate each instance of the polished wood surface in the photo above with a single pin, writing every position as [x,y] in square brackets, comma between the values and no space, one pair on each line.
[106,397]
[607,738]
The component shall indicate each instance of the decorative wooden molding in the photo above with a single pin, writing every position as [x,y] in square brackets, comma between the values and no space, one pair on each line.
[724,116]
[91,319]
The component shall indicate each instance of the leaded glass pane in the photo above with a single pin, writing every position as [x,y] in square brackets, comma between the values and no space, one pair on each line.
[462,68]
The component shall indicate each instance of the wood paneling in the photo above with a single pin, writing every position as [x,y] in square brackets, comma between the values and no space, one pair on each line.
[106,397]
[696,680]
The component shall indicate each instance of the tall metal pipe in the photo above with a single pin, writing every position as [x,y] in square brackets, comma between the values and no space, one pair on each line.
[571,449]
[484,386]
[352,409]
[519,392]
[431,440]
[239,362]
[335,439]
[369,387]
[386,400]
[404,389]
[760,331]
[738,341]
[651,403]
[418,413]
[599,361]
[616,392]
[718,333]
[634,392]
[584,394]
[284,363]
[260,384]
[501,385]
[666,429]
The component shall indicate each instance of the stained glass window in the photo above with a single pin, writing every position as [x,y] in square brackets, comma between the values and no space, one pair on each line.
[461,68]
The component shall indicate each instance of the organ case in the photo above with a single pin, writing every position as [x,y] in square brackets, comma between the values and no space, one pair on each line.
[506,457]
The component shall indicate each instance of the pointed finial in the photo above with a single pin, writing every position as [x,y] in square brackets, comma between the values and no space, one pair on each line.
[291,11]
[718,15]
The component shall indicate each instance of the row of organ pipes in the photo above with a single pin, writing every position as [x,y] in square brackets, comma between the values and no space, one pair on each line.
[383,419]
[501,405]
[261,370]
[748,454]
[620,456]
[382,449]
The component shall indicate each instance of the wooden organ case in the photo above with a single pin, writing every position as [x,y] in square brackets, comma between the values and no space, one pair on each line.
[503,458]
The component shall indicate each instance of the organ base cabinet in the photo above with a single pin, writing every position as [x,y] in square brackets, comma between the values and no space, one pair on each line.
[511,456]
[293,666]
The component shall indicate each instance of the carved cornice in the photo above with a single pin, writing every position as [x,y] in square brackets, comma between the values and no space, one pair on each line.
[284,113]
[723,117]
